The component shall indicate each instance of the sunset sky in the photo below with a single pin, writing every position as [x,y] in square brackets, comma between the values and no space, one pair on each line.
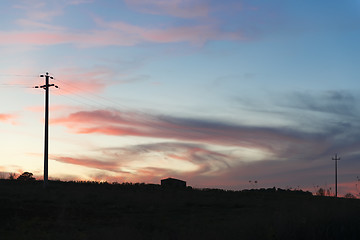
[217,93]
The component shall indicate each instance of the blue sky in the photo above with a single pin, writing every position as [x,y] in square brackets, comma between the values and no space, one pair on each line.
[218,93]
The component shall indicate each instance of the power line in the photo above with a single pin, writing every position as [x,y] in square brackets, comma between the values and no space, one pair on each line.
[7,85]
[96,104]
[144,121]
[14,85]
[92,94]
[17,75]
[85,100]
[87,92]
[81,97]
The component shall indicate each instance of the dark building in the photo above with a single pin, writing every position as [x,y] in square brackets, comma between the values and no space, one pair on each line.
[173,183]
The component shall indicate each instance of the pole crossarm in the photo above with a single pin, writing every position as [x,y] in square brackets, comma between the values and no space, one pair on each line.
[336,158]
[46,87]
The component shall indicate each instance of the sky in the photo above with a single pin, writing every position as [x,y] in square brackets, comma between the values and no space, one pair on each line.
[217,93]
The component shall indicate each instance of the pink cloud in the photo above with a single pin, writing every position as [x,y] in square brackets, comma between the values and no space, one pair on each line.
[84,39]
[53,108]
[88,162]
[111,131]
[7,117]
[98,117]
[34,38]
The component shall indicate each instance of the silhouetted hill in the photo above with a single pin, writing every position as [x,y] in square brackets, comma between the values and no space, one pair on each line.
[68,210]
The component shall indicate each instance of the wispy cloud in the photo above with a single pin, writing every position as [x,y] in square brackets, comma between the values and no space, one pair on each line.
[195,33]
[151,162]
[123,35]
[88,162]
[200,155]
[158,159]
[38,28]
[40,10]
[76,80]
[38,31]
[177,8]
[214,153]
[337,102]
[36,25]
[282,142]
[327,111]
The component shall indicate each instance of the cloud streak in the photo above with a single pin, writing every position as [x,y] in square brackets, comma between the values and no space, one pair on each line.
[119,34]
[158,159]
[176,8]
[7,117]
[333,102]
[37,28]
[282,142]
[88,162]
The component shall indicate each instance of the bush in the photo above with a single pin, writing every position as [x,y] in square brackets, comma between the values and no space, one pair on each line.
[349,195]
[12,176]
[26,176]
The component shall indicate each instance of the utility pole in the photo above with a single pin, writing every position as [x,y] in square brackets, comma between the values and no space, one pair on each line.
[336,158]
[46,136]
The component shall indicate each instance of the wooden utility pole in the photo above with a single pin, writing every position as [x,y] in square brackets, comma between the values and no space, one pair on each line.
[46,136]
[336,158]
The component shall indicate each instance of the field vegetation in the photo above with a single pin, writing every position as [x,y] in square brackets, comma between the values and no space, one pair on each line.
[93,210]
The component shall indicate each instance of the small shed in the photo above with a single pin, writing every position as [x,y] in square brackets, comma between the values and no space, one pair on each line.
[173,183]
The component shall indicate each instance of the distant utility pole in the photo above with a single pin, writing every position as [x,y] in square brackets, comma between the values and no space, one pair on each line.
[46,137]
[336,158]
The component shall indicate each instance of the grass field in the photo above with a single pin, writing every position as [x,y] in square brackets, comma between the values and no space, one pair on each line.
[68,210]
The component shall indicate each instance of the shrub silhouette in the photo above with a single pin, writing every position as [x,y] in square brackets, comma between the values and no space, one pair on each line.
[26,176]
[320,192]
[90,210]
[349,195]
[12,176]
[323,192]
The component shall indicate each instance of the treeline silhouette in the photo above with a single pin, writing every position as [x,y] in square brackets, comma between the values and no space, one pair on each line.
[93,210]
